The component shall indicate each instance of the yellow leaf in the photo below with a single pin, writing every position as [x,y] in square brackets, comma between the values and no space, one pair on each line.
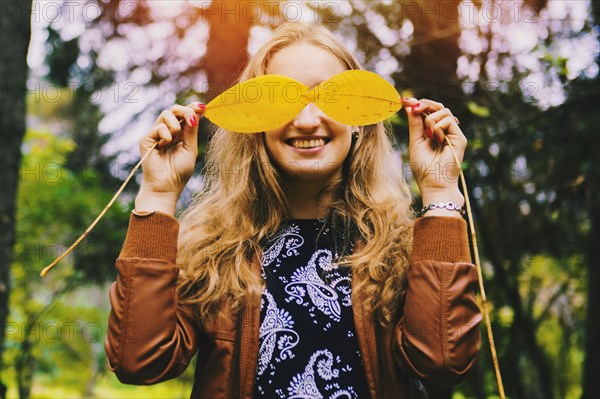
[258,104]
[357,98]
[353,97]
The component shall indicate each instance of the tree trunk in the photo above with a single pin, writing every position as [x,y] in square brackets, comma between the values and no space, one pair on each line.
[431,64]
[24,366]
[591,369]
[15,33]
[226,49]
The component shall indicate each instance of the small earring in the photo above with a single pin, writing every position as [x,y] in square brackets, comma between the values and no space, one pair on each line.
[355,135]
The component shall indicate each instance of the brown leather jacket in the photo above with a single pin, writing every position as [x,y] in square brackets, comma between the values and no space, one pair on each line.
[151,338]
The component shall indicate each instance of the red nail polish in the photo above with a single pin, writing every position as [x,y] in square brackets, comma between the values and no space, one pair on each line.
[416,106]
[193,121]
[428,133]
[202,106]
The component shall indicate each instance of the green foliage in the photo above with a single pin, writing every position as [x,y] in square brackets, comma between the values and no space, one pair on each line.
[64,56]
[532,172]
[57,325]
[396,120]
[478,110]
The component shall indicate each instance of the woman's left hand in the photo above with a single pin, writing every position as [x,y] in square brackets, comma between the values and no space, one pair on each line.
[431,160]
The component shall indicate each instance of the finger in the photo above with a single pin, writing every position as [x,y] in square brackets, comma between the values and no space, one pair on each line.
[158,132]
[164,134]
[431,119]
[426,106]
[415,123]
[421,104]
[409,101]
[436,116]
[447,125]
[185,113]
[190,132]
[415,109]
[170,120]
[199,108]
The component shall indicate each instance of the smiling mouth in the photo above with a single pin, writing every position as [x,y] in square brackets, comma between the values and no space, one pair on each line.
[307,144]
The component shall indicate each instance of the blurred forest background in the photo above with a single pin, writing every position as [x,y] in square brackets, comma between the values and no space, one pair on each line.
[83,80]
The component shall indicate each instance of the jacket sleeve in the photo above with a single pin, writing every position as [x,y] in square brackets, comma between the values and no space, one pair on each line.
[438,339]
[150,337]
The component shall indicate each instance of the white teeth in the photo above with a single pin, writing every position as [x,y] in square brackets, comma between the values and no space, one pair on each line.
[308,143]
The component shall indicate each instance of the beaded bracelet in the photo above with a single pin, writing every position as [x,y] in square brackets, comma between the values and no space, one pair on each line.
[451,206]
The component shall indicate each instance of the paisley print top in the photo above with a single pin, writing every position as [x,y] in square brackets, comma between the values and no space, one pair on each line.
[308,345]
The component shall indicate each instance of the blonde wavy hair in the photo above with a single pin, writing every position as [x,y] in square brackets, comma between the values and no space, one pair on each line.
[242,204]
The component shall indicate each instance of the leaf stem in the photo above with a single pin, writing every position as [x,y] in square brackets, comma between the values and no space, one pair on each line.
[45,271]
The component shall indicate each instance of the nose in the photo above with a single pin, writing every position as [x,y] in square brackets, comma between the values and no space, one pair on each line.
[309,119]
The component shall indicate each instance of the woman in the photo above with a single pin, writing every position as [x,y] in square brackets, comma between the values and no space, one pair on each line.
[293,273]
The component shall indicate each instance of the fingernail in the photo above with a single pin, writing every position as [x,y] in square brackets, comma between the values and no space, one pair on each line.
[193,121]
[416,106]
[201,106]
[428,133]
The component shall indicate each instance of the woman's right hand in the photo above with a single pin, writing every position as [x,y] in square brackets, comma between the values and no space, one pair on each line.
[170,165]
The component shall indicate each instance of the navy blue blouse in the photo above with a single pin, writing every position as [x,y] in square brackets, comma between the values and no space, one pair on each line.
[308,345]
